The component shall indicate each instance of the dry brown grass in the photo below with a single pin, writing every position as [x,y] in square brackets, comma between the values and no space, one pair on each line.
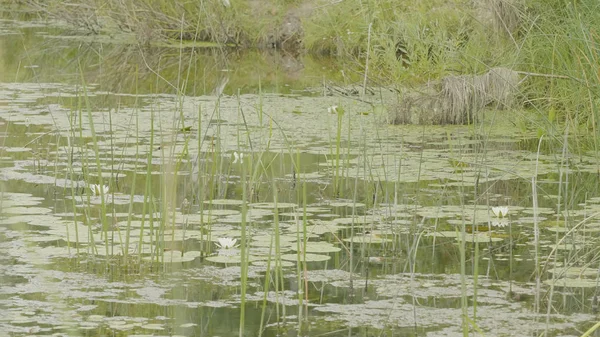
[457,99]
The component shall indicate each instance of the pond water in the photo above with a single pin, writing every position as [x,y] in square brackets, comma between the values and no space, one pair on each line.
[124,168]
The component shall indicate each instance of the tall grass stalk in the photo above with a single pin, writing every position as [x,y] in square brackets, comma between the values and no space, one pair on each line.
[97,160]
[279,283]
[199,167]
[560,204]
[132,194]
[92,249]
[463,279]
[338,139]
[266,284]
[536,231]
[112,191]
[70,155]
[301,235]
[464,300]
[476,254]
[304,243]
[147,209]
[243,254]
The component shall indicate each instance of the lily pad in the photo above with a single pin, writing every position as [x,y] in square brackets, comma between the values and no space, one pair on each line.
[26,210]
[574,272]
[347,204]
[572,282]
[226,259]
[359,220]
[309,257]
[224,202]
[271,205]
[220,212]
[318,247]
[479,238]
[368,239]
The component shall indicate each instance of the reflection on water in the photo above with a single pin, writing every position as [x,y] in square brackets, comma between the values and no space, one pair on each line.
[352,226]
[118,64]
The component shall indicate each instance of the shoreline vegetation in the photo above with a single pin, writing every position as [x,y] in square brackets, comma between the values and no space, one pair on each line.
[439,54]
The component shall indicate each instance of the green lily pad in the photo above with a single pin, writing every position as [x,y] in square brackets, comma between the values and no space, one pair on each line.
[483,237]
[572,282]
[263,263]
[318,247]
[220,212]
[574,272]
[368,239]
[309,257]
[153,326]
[347,204]
[360,220]
[295,215]
[224,202]
[271,205]
[26,210]
[323,228]
[226,259]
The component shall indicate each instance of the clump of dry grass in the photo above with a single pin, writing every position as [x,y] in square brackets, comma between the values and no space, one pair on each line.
[457,99]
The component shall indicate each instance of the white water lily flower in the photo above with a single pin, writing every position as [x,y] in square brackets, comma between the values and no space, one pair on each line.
[500,212]
[98,189]
[226,243]
[238,157]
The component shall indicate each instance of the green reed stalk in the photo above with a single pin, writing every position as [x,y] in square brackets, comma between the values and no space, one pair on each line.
[536,232]
[132,192]
[560,205]
[112,191]
[71,147]
[464,301]
[304,243]
[85,166]
[591,330]
[198,163]
[266,289]
[301,269]
[147,208]
[243,255]
[278,268]
[97,157]
[476,254]
[170,187]
[340,113]
[463,282]
[510,258]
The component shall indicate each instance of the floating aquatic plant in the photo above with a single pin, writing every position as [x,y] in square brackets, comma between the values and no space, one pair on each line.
[98,189]
[226,243]
[238,157]
[500,211]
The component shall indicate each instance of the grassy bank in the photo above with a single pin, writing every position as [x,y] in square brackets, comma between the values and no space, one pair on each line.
[404,44]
